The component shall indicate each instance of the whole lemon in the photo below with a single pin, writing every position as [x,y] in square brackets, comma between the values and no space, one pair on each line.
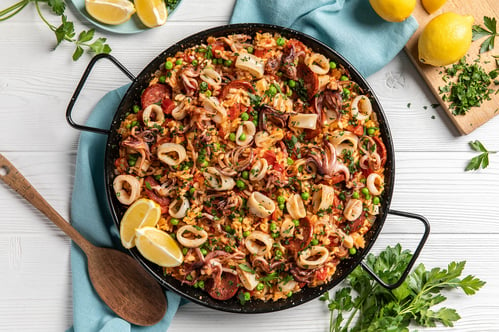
[393,10]
[445,39]
[432,6]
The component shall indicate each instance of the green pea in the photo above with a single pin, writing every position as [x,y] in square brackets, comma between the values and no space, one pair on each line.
[343,78]
[281,206]
[245,175]
[128,126]
[178,62]
[162,79]
[296,222]
[136,108]
[250,49]
[168,65]
[131,162]
[376,200]
[365,191]
[273,226]
[272,90]
[246,233]
[280,41]
[232,137]
[204,251]
[203,86]
[201,283]
[245,116]
[194,62]
[346,92]
[281,200]
[289,294]
[292,83]
[192,191]
[204,163]
[240,184]
[207,93]
[242,137]
[228,229]
[174,221]
[184,251]
[305,196]
[352,251]
[189,277]
[314,242]
[289,92]
[290,161]
[371,131]
[135,123]
[355,195]
[368,196]
[332,64]
[247,296]
[228,63]
[260,286]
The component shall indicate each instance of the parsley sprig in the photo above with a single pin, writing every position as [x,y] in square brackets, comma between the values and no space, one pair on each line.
[480,32]
[65,31]
[374,308]
[482,160]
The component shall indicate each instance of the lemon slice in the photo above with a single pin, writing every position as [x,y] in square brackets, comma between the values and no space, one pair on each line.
[432,6]
[144,212]
[152,13]
[158,247]
[111,12]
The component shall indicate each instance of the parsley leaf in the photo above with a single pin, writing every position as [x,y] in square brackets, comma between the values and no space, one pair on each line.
[364,305]
[480,32]
[480,161]
[57,6]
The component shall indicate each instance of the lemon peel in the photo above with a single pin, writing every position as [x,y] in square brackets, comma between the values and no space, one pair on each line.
[158,247]
[143,212]
[112,12]
[432,6]
[445,39]
[152,13]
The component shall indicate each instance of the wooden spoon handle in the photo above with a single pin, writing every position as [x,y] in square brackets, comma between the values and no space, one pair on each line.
[11,176]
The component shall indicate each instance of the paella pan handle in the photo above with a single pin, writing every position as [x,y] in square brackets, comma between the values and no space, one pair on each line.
[78,89]
[414,256]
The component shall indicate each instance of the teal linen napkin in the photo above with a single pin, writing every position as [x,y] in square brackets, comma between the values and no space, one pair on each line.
[351,27]
[91,216]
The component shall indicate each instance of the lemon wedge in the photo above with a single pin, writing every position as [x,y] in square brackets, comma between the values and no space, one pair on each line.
[152,13]
[144,212]
[158,247]
[432,6]
[111,12]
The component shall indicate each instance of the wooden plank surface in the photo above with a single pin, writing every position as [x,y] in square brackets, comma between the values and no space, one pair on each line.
[433,75]
[36,84]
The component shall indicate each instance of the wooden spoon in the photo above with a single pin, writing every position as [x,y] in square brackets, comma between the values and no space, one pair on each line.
[120,281]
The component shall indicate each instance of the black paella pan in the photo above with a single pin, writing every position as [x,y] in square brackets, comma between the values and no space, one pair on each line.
[140,82]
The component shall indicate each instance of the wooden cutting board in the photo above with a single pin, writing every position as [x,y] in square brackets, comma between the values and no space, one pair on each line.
[433,75]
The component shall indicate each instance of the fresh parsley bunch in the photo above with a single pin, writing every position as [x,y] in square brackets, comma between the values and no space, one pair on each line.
[63,32]
[365,306]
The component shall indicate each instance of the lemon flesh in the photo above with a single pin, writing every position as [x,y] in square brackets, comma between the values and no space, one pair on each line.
[393,10]
[111,12]
[445,39]
[432,6]
[144,212]
[152,13]
[158,247]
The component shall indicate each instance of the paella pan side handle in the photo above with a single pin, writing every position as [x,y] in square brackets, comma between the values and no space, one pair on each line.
[78,89]
[414,256]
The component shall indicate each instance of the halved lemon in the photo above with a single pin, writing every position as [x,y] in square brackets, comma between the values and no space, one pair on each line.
[110,11]
[144,212]
[152,13]
[158,247]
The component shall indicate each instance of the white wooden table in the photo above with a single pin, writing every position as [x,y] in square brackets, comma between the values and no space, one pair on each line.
[36,84]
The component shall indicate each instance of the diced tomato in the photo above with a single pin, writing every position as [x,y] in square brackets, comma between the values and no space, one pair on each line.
[358,130]
[270,156]
[321,273]
[121,164]
[381,149]
[167,105]
[236,85]
[154,94]
[260,52]
[234,111]
[226,289]
[217,49]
